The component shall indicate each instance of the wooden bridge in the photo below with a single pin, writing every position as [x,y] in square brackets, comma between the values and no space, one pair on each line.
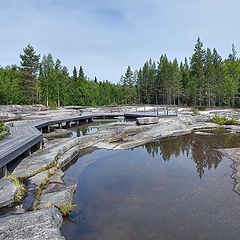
[158,111]
[28,135]
[24,136]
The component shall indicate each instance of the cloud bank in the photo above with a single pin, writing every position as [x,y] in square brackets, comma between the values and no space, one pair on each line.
[105,36]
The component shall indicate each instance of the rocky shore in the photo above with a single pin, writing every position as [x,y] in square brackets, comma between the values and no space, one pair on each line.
[44,169]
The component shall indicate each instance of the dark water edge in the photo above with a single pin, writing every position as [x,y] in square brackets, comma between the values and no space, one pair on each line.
[178,188]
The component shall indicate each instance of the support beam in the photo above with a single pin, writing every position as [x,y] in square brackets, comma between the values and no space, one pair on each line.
[29,151]
[5,171]
[41,145]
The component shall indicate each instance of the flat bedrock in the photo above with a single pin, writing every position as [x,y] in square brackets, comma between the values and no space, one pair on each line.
[41,225]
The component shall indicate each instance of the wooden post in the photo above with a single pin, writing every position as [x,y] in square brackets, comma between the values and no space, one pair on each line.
[41,145]
[5,171]
[29,152]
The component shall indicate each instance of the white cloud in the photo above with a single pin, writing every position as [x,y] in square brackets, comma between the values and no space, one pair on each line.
[106,36]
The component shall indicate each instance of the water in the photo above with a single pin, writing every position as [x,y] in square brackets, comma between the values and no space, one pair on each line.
[172,189]
[81,130]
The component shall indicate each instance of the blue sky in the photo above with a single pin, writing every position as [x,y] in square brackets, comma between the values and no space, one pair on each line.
[105,36]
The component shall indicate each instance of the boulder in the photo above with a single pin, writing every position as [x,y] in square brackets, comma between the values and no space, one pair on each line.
[147,120]
[67,157]
[56,195]
[57,177]
[39,178]
[49,156]
[57,133]
[7,192]
[42,225]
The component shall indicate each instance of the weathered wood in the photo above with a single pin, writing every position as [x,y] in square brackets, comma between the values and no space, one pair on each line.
[26,135]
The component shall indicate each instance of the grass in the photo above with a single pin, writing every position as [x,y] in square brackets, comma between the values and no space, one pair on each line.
[21,189]
[3,131]
[48,167]
[66,208]
[42,186]
[195,111]
[224,120]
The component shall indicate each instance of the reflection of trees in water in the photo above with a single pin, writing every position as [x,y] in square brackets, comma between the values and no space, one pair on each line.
[202,148]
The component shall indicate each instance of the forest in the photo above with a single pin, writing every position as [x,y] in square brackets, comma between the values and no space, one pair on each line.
[203,80]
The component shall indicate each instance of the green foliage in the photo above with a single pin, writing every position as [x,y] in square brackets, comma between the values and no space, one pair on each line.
[2,127]
[195,111]
[66,209]
[3,131]
[21,189]
[205,80]
[224,120]
[29,69]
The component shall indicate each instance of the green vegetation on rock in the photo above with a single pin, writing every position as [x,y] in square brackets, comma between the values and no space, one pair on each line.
[224,120]
[21,189]
[66,209]
[3,131]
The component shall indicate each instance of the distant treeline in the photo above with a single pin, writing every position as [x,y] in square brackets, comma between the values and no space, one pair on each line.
[205,79]
[45,80]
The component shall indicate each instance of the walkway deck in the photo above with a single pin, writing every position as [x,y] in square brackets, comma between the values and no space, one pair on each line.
[149,114]
[27,135]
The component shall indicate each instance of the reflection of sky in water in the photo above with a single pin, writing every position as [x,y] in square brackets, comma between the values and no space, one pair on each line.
[92,127]
[172,189]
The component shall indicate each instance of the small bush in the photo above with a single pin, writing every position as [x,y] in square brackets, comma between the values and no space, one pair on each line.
[66,209]
[3,131]
[21,192]
[2,127]
[195,111]
[224,120]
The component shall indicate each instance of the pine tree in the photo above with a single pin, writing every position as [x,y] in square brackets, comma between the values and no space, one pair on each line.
[231,77]
[197,71]
[81,74]
[29,68]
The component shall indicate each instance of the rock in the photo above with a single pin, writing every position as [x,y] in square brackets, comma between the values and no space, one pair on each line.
[147,120]
[57,177]
[39,178]
[56,195]
[67,157]
[57,133]
[49,156]
[7,192]
[103,145]
[204,133]
[41,225]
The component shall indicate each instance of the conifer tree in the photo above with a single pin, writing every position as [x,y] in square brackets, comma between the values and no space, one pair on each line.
[29,69]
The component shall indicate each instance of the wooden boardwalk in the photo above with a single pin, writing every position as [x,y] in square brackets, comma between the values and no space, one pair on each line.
[26,135]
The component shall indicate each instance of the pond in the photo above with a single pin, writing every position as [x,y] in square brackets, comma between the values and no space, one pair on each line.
[177,188]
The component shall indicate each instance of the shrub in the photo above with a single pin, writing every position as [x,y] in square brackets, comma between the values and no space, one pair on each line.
[66,209]
[195,111]
[224,120]
[21,189]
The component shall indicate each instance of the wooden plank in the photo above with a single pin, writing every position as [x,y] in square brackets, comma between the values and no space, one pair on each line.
[26,135]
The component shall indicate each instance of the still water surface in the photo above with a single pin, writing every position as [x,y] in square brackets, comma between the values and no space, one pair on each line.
[172,189]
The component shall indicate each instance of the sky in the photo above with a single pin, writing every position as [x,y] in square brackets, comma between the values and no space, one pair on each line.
[105,36]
